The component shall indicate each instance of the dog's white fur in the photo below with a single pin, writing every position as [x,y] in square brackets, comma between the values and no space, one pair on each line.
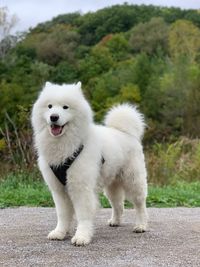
[123,175]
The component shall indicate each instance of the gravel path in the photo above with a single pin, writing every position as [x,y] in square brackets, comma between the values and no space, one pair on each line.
[173,239]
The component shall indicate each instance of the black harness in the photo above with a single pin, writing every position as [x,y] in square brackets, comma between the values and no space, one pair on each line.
[61,171]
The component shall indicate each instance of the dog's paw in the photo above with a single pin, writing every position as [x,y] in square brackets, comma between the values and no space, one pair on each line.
[80,240]
[56,235]
[113,223]
[140,228]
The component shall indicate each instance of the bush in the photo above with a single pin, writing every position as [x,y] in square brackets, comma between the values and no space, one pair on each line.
[168,163]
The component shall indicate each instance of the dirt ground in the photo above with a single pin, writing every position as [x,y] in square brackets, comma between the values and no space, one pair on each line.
[173,239]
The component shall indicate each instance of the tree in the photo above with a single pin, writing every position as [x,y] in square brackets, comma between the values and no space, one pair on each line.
[150,36]
[184,40]
[58,45]
[94,26]
[54,46]
[142,71]
[175,102]
[191,125]
[64,73]
[97,62]
[7,23]
[117,44]
[131,93]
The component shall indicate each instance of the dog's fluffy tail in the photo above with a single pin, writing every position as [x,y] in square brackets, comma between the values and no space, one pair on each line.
[126,118]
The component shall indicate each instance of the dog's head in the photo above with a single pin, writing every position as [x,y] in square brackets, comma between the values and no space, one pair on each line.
[58,107]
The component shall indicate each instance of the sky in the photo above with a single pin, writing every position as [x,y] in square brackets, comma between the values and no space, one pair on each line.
[32,12]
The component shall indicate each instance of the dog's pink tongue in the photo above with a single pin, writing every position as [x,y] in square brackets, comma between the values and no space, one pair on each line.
[56,129]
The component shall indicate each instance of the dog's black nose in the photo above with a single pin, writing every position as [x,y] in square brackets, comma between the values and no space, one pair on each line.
[54,117]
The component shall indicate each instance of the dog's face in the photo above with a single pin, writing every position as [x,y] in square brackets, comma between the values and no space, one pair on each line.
[58,116]
[59,107]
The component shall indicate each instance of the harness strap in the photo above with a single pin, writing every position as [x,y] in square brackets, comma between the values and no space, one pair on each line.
[61,170]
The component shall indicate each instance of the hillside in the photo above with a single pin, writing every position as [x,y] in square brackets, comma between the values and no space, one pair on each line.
[126,53]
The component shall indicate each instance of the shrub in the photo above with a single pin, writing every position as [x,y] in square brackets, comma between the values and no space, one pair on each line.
[169,163]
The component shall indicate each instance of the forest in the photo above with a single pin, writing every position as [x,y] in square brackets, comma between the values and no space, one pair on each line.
[146,55]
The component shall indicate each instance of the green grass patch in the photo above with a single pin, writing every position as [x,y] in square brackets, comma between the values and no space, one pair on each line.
[181,194]
[24,190]
[29,190]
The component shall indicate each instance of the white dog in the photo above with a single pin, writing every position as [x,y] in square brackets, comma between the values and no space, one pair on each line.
[76,157]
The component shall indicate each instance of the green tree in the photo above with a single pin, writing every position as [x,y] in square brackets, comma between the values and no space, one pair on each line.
[191,124]
[94,26]
[130,93]
[184,40]
[64,73]
[149,37]
[99,61]
[117,45]
[58,44]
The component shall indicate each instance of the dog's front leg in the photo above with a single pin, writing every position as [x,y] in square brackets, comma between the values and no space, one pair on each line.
[63,204]
[84,202]
[64,211]
[84,233]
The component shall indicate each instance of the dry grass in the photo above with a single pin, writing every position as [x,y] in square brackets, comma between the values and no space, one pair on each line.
[169,163]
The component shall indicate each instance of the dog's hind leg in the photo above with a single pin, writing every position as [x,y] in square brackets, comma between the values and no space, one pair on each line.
[115,194]
[136,191]
[139,202]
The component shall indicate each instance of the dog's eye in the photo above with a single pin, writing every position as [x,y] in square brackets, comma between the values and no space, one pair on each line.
[65,107]
[49,106]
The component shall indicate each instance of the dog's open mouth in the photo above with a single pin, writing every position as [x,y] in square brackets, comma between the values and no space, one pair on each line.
[56,129]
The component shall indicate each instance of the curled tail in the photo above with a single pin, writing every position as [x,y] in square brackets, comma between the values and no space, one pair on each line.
[126,118]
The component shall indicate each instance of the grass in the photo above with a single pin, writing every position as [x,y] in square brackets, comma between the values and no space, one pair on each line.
[173,167]
[28,190]
[181,194]
[168,163]
[24,190]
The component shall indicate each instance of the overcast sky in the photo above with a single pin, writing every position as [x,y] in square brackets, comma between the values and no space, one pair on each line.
[32,12]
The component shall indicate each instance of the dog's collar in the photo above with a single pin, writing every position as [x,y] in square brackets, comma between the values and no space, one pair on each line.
[61,170]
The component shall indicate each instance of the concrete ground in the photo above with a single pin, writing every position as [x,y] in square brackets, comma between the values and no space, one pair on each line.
[173,239]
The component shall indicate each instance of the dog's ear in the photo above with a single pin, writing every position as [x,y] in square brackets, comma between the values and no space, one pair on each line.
[47,84]
[78,87]
[79,84]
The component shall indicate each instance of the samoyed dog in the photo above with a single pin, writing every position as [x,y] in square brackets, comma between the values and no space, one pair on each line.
[77,157]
